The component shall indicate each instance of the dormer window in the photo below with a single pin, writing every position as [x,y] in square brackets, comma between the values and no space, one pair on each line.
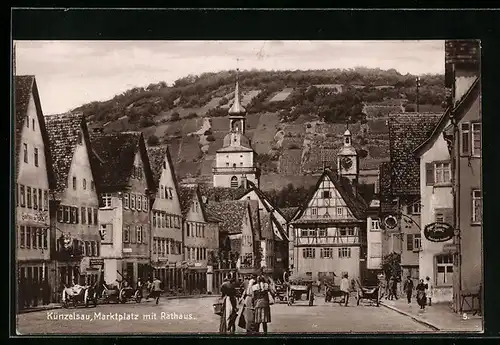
[79,137]
[164,164]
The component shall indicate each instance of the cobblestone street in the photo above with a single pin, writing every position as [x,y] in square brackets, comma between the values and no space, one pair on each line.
[300,318]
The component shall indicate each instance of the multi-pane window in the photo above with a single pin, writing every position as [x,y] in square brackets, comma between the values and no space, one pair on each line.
[409,242]
[22,196]
[83,214]
[126,234]
[139,233]
[132,201]
[40,199]
[35,153]
[344,252]
[89,215]
[477,206]
[326,253]
[476,139]
[126,200]
[35,199]
[314,211]
[84,184]
[444,268]
[464,140]
[308,253]
[139,203]
[33,124]
[74,182]
[25,152]
[442,172]
[339,211]
[417,242]
[28,237]
[170,193]
[23,236]
[96,216]
[106,200]
[415,208]
[28,195]
[145,203]
[46,198]
[375,225]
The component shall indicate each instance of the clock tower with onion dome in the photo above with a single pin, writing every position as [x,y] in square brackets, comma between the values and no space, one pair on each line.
[348,160]
[235,161]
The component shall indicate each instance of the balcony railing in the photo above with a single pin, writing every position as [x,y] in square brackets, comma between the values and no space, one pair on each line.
[235,170]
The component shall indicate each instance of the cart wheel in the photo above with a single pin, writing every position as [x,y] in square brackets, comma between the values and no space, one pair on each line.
[138,297]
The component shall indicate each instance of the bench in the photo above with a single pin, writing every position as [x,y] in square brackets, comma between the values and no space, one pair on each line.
[473,296]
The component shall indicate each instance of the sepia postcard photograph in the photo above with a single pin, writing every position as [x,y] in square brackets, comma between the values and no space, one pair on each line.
[247,187]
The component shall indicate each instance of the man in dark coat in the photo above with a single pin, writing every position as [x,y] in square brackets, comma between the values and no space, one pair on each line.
[408,288]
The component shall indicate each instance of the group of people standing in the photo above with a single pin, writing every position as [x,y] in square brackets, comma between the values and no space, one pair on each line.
[424,291]
[257,296]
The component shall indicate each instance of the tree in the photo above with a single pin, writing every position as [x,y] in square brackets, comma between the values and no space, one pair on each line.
[153,140]
[391,265]
[362,153]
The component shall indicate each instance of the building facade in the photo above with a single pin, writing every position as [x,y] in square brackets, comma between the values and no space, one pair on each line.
[400,189]
[196,238]
[166,220]
[126,188]
[464,79]
[34,180]
[330,229]
[436,207]
[235,161]
[75,201]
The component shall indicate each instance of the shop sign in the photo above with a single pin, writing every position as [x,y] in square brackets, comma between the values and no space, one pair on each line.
[37,217]
[450,248]
[438,232]
[96,262]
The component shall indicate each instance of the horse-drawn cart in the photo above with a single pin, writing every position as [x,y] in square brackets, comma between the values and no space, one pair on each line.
[298,288]
[370,293]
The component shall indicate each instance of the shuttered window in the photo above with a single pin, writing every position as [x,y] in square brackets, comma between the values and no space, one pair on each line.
[444,215]
[429,174]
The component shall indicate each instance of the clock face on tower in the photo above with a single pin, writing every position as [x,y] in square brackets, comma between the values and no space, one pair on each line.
[346,163]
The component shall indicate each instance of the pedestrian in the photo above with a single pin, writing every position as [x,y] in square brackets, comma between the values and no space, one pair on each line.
[430,290]
[261,295]
[156,289]
[229,308]
[421,298]
[318,283]
[344,288]
[390,295]
[247,317]
[394,292]
[408,288]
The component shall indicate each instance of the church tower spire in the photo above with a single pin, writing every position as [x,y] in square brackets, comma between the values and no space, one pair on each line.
[347,158]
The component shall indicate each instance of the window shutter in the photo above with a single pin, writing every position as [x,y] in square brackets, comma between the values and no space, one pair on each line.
[75,209]
[429,174]
[409,242]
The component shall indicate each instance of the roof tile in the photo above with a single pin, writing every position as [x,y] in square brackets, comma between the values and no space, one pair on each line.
[406,132]
[230,213]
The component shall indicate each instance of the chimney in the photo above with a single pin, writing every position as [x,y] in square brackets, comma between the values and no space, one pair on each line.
[462,66]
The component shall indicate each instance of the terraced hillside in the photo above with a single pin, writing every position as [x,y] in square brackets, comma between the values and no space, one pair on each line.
[295,120]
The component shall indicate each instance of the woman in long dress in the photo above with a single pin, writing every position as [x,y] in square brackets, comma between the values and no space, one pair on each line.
[261,293]
[229,309]
[421,297]
[248,311]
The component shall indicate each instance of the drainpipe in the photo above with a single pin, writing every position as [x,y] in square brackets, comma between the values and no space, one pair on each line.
[456,211]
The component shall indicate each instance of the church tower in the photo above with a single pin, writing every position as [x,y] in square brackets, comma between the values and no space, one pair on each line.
[235,161]
[348,160]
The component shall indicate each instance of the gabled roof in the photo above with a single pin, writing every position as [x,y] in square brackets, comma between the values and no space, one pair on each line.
[24,87]
[467,99]
[289,212]
[114,154]
[63,131]
[438,130]
[263,197]
[219,194]
[230,213]
[353,200]
[156,156]
[255,217]
[186,197]
[406,132]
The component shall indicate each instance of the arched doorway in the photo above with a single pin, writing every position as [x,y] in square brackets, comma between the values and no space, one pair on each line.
[234,182]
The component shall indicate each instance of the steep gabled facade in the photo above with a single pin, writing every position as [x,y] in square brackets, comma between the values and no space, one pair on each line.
[34,180]
[166,220]
[126,186]
[197,236]
[330,231]
[75,201]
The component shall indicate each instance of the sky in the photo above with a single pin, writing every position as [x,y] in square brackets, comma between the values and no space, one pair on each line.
[71,73]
